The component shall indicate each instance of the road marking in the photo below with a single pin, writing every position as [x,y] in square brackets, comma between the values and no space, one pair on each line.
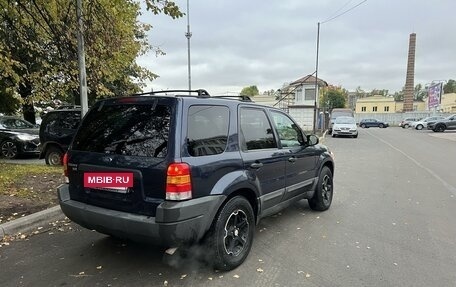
[451,188]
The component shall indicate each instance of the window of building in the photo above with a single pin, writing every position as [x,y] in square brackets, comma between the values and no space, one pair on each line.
[386,109]
[374,109]
[363,109]
[309,95]
[298,96]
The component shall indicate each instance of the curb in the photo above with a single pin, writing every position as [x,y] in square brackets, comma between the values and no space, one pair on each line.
[30,222]
[322,138]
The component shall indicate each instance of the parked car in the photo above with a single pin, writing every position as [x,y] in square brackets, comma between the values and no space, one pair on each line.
[338,112]
[419,125]
[405,123]
[18,137]
[368,123]
[345,126]
[56,133]
[191,169]
[448,123]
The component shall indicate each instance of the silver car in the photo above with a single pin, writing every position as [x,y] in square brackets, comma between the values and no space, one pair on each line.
[345,126]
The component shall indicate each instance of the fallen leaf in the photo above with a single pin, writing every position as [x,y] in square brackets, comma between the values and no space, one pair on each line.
[395,264]
[260,270]
[183,276]
[81,273]
[165,283]
[40,227]
[210,278]
[260,260]
[23,236]
[99,267]
[307,275]
[300,272]
[236,276]
[221,276]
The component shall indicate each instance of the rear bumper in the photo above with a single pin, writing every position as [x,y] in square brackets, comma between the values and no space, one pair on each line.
[175,223]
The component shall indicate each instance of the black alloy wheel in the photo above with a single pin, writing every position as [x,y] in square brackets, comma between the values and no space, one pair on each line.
[9,149]
[324,193]
[232,233]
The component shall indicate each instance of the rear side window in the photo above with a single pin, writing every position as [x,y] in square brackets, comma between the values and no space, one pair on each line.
[55,122]
[207,131]
[130,129]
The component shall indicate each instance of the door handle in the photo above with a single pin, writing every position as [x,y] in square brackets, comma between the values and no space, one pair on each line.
[256,165]
[292,159]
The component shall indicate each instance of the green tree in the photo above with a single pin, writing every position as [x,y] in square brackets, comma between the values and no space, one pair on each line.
[399,95]
[381,92]
[333,97]
[250,91]
[39,44]
[449,87]
[420,92]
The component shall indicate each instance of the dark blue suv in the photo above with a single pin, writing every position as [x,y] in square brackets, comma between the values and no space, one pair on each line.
[202,169]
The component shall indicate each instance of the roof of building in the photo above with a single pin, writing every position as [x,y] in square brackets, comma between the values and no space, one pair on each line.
[309,79]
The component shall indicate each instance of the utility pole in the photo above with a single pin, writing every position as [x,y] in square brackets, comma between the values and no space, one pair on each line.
[81,60]
[316,79]
[188,35]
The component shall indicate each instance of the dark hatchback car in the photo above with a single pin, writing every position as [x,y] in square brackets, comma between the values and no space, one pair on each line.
[18,137]
[369,123]
[177,170]
[56,133]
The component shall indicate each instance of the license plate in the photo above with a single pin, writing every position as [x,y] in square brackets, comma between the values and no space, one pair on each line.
[111,181]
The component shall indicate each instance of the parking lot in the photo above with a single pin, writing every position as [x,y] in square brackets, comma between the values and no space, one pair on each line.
[390,224]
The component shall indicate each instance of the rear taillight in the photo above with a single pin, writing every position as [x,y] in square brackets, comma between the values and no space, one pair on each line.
[65,167]
[178,182]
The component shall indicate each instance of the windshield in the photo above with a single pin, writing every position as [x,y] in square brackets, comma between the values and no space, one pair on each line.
[345,120]
[15,124]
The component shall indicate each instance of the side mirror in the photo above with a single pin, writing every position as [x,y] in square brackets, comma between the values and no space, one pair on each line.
[312,140]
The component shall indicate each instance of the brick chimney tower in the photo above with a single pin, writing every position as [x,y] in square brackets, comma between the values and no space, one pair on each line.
[410,78]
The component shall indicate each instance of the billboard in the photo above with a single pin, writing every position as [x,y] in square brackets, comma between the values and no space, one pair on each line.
[434,93]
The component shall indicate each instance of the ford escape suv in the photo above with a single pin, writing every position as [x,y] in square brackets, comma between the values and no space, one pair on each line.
[190,168]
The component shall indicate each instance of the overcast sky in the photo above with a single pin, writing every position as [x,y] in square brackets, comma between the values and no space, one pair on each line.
[268,43]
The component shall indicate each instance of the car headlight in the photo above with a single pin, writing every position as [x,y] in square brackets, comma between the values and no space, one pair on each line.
[25,137]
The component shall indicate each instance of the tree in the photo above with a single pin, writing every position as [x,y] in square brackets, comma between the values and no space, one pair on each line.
[420,92]
[333,97]
[449,87]
[376,92]
[399,96]
[38,43]
[250,91]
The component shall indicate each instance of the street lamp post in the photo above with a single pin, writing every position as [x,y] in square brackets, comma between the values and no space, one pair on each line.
[188,35]
[316,78]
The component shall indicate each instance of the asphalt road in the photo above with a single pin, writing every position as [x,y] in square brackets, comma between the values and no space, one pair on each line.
[391,224]
[26,159]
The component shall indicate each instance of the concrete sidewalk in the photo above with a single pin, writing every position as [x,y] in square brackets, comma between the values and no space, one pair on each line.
[31,222]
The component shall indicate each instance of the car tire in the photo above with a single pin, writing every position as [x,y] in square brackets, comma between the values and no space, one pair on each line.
[355,136]
[333,135]
[419,127]
[322,197]
[53,156]
[439,128]
[363,126]
[381,126]
[231,234]
[406,126]
[9,149]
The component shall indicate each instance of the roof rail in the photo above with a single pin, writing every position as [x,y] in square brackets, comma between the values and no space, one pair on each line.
[243,98]
[200,93]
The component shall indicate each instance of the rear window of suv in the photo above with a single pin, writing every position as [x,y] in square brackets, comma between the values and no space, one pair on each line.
[129,129]
[207,131]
